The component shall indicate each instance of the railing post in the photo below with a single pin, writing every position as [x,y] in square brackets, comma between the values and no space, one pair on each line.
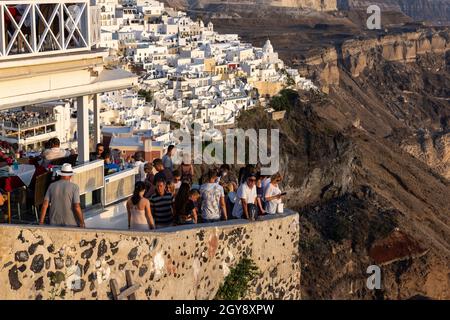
[62,26]
[97,131]
[83,128]
[2,30]
[33,28]
[87,25]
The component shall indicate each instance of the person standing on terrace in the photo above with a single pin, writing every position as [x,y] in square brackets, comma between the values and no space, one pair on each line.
[176,180]
[149,179]
[246,200]
[185,208]
[162,205]
[273,194]
[226,176]
[139,210]
[167,158]
[63,198]
[186,168]
[213,199]
[139,162]
[163,173]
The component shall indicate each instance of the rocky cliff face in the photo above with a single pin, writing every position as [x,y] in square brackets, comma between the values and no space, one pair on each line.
[358,55]
[362,201]
[434,10]
[431,10]
[411,73]
[367,165]
[406,47]
[318,5]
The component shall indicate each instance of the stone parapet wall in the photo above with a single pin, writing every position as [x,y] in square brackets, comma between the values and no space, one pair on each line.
[179,263]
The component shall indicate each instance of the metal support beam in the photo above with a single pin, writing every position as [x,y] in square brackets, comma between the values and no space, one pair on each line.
[97,131]
[83,128]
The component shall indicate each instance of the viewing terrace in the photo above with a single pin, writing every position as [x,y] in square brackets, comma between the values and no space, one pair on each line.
[46,55]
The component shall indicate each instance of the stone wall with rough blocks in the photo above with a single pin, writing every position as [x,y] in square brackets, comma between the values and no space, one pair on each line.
[179,263]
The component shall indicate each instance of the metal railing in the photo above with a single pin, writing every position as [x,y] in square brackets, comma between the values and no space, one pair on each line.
[42,27]
[28,123]
[119,186]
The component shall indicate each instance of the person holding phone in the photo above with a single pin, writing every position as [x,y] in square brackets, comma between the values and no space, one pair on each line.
[273,194]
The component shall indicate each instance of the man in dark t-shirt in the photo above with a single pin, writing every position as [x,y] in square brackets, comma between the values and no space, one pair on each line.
[162,205]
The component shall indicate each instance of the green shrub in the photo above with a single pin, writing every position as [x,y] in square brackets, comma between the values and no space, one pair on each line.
[285,100]
[236,284]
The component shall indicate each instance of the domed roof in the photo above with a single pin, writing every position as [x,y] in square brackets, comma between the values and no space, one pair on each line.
[268,47]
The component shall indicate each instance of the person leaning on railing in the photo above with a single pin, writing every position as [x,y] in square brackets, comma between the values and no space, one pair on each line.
[246,199]
[273,194]
[213,205]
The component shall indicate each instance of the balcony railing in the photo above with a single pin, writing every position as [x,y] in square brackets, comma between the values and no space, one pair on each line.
[89,176]
[28,123]
[42,27]
[119,186]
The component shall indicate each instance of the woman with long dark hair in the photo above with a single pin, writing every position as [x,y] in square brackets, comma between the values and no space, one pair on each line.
[185,209]
[139,211]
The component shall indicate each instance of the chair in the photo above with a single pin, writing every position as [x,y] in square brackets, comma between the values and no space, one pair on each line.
[59,161]
[40,188]
[72,159]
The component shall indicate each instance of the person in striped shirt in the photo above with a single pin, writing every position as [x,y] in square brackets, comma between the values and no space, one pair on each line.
[162,205]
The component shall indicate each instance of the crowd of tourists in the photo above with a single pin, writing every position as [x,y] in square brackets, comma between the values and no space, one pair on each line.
[166,196]
[23,118]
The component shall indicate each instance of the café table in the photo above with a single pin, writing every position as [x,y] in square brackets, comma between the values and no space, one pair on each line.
[12,179]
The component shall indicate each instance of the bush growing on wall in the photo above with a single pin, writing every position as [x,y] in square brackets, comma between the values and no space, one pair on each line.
[236,284]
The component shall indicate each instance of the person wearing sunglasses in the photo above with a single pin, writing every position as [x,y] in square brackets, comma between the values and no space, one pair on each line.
[245,206]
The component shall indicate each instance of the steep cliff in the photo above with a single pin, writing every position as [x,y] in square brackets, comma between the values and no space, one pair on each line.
[362,201]
[355,56]
[319,5]
[367,164]
[394,86]
[432,10]
[405,47]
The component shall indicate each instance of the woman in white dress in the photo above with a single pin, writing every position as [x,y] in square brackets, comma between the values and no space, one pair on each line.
[272,194]
[139,211]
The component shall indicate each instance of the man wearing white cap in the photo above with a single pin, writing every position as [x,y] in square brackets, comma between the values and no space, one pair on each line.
[63,197]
